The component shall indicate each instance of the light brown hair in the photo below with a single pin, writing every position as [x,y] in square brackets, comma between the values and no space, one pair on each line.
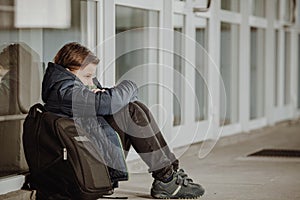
[75,56]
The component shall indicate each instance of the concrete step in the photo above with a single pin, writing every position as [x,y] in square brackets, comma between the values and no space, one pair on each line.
[19,195]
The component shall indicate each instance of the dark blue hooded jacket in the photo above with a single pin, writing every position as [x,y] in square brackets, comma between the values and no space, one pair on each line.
[64,94]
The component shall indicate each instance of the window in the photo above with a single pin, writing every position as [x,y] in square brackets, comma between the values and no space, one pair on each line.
[257,73]
[276,68]
[6,14]
[132,53]
[287,68]
[20,86]
[289,12]
[178,75]
[259,8]
[201,106]
[277,9]
[54,39]
[232,5]
[229,72]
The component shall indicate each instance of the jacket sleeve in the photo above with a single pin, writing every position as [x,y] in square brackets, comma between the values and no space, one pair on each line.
[108,102]
[134,97]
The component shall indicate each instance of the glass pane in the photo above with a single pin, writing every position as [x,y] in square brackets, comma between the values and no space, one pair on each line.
[232,5]
[259,8]
[6,14]
[200,72]
[132,53]
[287,68]
[178,75]
[54,39]
[257,73]
[229,71]
[288,12]
[276,68]
[19,70]
[277,9]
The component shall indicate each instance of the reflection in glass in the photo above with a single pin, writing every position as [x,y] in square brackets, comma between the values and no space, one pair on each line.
[18,62]
[133,57]
[229,72]
[13,58]
[178,76]
[232,5]
[287,68]
[259,8]
[201,72]
[21,88]
[257,73]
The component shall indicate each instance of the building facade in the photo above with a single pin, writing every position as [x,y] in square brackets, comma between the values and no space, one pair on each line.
[205,73]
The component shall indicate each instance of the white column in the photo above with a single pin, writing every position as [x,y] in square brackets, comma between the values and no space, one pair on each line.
[109,42]
[150,69]
[294,72]
[167,62]
[270,63]
[234,82]
[214,68]
[244,73]
[100,38]
[189,71]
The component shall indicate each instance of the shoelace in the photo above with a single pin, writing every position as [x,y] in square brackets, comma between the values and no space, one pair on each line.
[182,178]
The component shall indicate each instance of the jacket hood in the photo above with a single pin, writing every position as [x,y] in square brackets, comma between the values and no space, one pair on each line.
[54,74]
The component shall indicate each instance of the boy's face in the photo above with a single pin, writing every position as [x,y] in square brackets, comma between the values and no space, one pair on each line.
[86,74]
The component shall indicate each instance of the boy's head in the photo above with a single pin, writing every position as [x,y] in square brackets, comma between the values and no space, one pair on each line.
[79,60]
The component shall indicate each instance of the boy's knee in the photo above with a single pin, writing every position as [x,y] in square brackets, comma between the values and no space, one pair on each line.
[138,115]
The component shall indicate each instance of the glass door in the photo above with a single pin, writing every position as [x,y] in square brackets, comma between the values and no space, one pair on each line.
[257,73]
[229,69]
[137,51]
[178,71]
[201,67]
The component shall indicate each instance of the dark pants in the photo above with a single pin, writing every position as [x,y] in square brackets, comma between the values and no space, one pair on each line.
[137,127]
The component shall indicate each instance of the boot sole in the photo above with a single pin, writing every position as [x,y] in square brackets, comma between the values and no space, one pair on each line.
[168,196]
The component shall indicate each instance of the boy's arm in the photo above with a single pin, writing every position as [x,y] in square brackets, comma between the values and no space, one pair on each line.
[106,102]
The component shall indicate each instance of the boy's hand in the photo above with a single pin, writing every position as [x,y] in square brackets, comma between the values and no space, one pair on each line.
[98,90]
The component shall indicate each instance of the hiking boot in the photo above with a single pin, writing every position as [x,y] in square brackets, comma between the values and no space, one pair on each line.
[181,186]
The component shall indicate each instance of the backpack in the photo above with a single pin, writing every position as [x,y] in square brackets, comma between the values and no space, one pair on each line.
[64,163]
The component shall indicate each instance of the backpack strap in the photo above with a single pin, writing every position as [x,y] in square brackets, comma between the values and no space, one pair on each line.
[26,185]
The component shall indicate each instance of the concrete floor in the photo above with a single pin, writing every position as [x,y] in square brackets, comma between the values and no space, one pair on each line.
[227,174]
